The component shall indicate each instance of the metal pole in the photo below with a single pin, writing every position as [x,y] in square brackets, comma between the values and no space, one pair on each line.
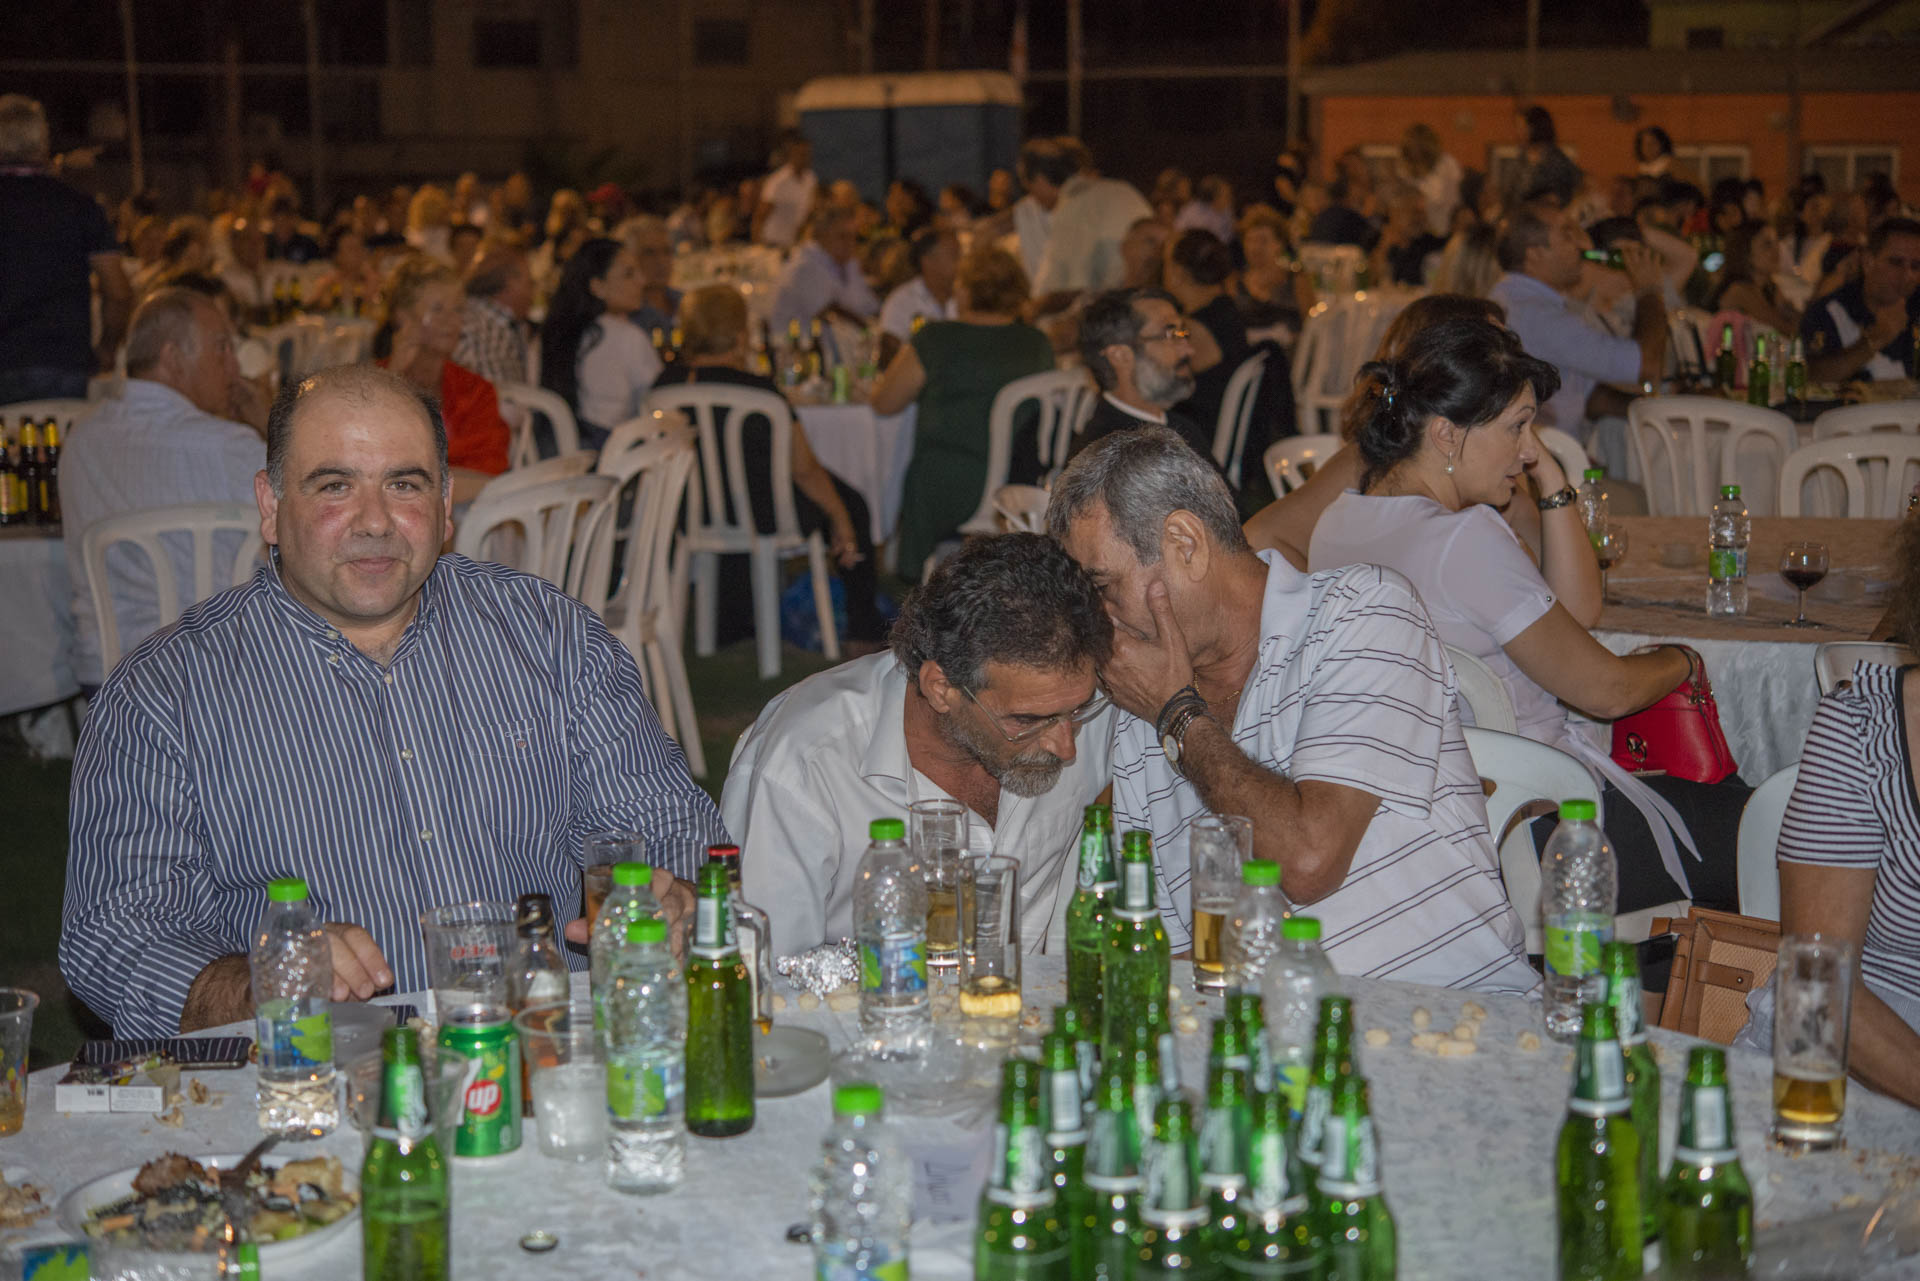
[1074,67]
[316,132]
[686,99]
[135,153]
[1794,153]
[1533,49]
[1293,70]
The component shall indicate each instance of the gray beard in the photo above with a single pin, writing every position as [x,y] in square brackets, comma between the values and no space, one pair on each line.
[1161,385]
[1027,774]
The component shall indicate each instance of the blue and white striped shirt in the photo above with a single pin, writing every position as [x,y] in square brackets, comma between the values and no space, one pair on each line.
[252,740]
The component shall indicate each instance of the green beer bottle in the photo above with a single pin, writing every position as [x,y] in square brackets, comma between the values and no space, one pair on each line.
[719,1082]
[1621,965]
[1332,1061]
[1795,384]
[1706,1203]
[1726,365]
[1598,1161]
[1248,1009]
[1360,1238]
[1142,1060]
[1279,1237]
[1070,1021]
[1063,1117]
[1759,373]
[1022,1233]
[1225,1134]
[1137,965]
[1087,914]
[1103,1230]
[406,1202]
[1172,1239]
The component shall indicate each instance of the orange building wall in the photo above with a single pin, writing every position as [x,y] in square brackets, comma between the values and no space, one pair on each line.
[1470,126]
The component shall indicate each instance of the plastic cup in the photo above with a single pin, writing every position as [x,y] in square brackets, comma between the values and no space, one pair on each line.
[469,947]
[558,1044]
[16,1029]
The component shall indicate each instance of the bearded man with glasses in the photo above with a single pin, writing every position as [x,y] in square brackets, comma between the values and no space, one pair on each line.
[1136,344]
[987,697]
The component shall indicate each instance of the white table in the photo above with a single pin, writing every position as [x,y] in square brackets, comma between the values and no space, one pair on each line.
[1466,1148]
[867,450]
[36,627]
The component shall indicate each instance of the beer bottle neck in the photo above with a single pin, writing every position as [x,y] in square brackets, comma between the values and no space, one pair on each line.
[1706,1126]
[1350,1161]
[1600,1079]
[1136,889]
[1020,1174]
[403,1102]
[1173,1194]
[712,936]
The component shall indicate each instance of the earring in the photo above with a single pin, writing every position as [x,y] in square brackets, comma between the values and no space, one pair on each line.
[1449,464]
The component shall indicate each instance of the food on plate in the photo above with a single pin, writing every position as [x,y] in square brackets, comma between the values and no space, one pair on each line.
[20,1204]
[176,1204]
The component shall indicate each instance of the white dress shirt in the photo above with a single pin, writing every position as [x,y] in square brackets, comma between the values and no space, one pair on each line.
[1083,240]
[829,756]
[790,197]
[1032,221]
[151,447]
[814,280]
[911,301]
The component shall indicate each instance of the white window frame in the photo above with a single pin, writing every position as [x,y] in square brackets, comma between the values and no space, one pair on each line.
[1851,153]
[1697,157]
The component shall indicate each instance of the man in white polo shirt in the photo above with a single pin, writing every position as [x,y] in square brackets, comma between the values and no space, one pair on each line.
[786,197]
[988,698]
[1322,707]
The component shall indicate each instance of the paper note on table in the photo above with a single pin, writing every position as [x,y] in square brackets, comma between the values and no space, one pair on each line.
[949,1169]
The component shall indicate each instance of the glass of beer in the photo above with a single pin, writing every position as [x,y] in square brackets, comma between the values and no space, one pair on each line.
[598,853]
[1812,1005]
[990,947]
[16,1029]
[1217,845]
[937,835]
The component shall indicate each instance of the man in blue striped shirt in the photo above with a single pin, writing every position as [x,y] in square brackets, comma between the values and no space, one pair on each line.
[402,729]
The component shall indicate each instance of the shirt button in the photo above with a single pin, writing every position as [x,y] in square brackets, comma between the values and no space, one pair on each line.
[425,835]
[333,660]
[389,678]
[406,753]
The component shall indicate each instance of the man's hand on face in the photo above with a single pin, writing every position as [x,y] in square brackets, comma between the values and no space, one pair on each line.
[1145,672]
[359,970]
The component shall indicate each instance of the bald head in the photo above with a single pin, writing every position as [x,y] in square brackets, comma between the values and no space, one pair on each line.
[368,388]
[180,339]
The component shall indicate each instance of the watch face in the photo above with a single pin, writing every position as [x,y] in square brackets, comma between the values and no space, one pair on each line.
[1171,747]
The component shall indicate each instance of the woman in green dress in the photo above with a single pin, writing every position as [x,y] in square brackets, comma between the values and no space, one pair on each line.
[953,369]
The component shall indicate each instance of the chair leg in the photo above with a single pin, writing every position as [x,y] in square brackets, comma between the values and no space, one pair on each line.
[706,601]
[823,597]
[766,608]
[680,692]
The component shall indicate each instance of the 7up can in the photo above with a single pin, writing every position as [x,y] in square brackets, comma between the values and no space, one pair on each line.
[490,1090]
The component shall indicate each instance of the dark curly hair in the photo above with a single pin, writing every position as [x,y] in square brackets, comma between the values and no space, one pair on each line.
[572,314]
[1018,598]
[1461,368]
[1202,256]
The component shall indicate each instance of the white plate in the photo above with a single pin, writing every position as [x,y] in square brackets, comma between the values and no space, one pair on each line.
[76,1205]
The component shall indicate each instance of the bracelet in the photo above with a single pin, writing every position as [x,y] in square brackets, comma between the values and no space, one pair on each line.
[1183,698]
[1182,720]
[1693,660]
[1558,499]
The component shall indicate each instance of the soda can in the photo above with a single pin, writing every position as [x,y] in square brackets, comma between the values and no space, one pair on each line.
[490,1091]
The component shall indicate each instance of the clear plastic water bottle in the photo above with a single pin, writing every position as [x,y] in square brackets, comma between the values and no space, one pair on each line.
[1297,977]
[1593,501]
[292,970]
[646,1036]
[1728,532]
[1252,932]
[861,1193]
[890,928]
[631,899]
[1579,893]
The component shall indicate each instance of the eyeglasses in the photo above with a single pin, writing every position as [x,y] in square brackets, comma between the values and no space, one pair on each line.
[1077,717]
[1172,333]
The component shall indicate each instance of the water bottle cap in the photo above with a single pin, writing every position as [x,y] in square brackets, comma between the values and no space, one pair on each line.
[858,1098]
[287,889]
[647,930]
[1259,871]
[887,829]
[1729,491]
[632,874]
[1594,473]
[1579,811]
[1297,929]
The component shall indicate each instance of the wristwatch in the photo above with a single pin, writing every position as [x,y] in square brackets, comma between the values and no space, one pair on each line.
[1561,498]
[1174,719]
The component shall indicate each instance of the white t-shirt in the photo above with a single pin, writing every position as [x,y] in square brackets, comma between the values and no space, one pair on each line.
[791,197]
[1480,586]
[1351,686]
[616,369]
[911,301]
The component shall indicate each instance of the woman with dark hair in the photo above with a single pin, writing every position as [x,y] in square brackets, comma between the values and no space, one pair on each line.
[592,355]
[1445,436]
[909,208]
[421,310]
[1196,272]
[1653,150]
[1746,279]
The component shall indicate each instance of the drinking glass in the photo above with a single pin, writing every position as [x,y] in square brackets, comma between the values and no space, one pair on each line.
[1610,545]
[1812,1005]
[990,948]
[469,947]
[937,835]
[1217,846]
[16,1027]
[1803,565]
[595,883]
[599,851]
[569,1078]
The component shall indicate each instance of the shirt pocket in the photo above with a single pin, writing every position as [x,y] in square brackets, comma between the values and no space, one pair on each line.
[519,775]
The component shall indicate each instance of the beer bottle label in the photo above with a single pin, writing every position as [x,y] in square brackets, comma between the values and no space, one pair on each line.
[1268,1191]
[1020,1162]
[1086,1056]
[1092,847]
[711,928]
[407,1098]
[1169,1063]
[1313,1122]
[1167,1200]
[1350,1167]
[1218,1160]
[1139,887]
[1068,1126]
[1573,942]
[1709,1142]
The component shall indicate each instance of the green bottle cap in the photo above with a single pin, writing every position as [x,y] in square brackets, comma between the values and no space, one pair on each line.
[1729,491]
[1579,811]
[887,829]
[629,874]
[647,930]
[858,1098]
[287,889]
[1297,928]
[1594,473]
[1259,871]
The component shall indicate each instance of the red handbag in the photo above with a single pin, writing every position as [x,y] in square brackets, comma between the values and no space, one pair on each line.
[1680,735]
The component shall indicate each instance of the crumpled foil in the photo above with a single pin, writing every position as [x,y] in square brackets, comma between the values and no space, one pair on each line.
[822,969]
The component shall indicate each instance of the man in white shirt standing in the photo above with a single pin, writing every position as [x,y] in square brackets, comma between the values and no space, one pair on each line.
[823,275]
[936,264]
[1322,707]
[169,438]
[786,197]
[1090,217]
[988,698]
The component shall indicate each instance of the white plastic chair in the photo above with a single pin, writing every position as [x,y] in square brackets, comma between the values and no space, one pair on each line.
[1863,420]
[1236,411]
[1758,864]
[1319,359]
[1833,661]
[527,401]
[1483,692]
[202,522]
[1022,508]
[1335,268]
[64,412]
[1070,401]
[1566,451]
[1522,772]
[1853,457]
[1774,433]
[1059,393]
[578,463]
[711,533]
[558,519]
[1671,439]
[1291,461]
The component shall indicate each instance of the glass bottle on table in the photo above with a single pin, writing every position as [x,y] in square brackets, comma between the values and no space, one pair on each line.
[1622,967]
[1225,1134]
[1332,1064]
[406,1200]
[1063,1120]
[1794,380]
[1072,1024]
[1138,962]
[1103,1234]
[539,972]
[1173,1238]
[1706,1204]
[1361,1242]
[1279,1236]
[1759,373]
[1088,912]
[1248,1011]
[752,934]
[719,1080]
[1021,1231]
[1726,365]
[1141,1059]
[1597,1161]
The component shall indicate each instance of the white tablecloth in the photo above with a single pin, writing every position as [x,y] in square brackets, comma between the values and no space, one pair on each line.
[867,450]
[1466,1150]
[36,625]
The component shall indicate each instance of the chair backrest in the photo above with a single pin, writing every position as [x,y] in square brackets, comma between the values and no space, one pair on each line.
[1833,661]
[1058,392]
[1022,508]
[201,522]
[1758,865]
[1669,439]
[36,412]
[657,469]
[528,400]
[649,425]
[1857,420]
[578,463]
[1483,692]
[556,518]
[1566,451]
[1321,360]
[1522,772]
[1335,268]
[1291,461]
[1236,411]
[1071,397]
[1872,492]
[700,404]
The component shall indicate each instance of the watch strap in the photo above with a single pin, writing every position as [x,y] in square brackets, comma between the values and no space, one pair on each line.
[1563,496]
[1183,698]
